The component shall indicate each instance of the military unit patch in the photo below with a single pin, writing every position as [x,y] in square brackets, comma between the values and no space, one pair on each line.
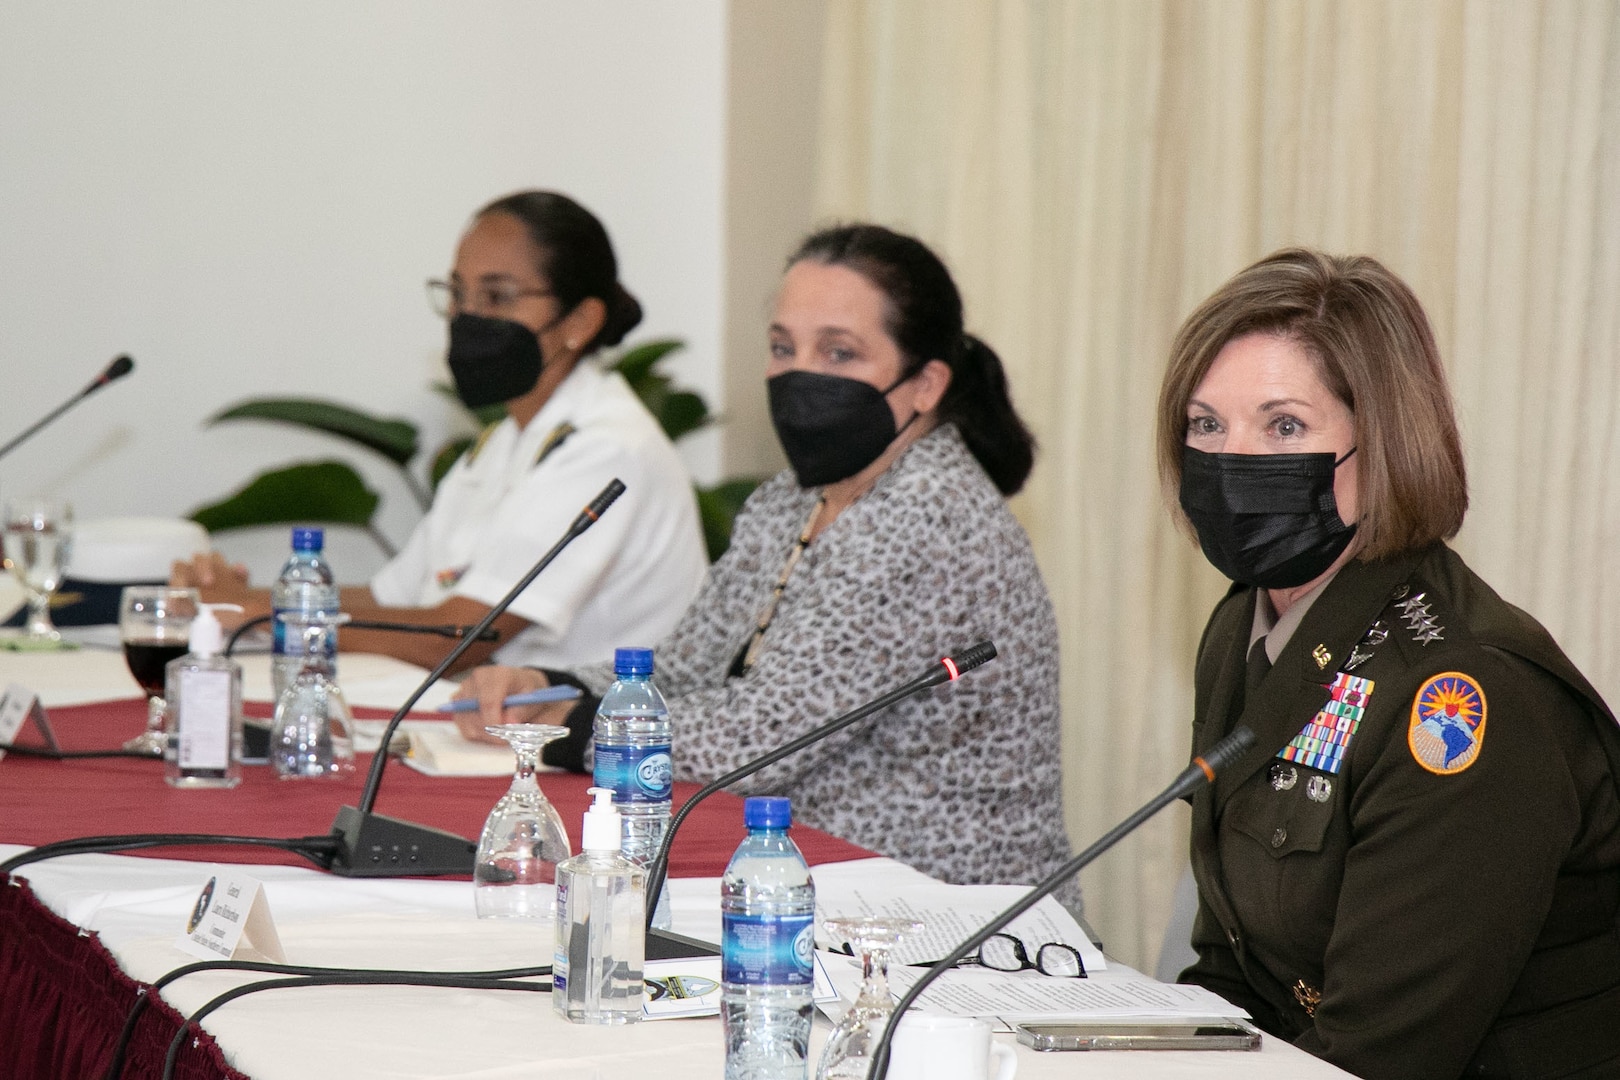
[1322,742]
[1448,723]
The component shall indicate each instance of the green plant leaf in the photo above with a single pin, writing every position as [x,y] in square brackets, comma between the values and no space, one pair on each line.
[681,413]
[394,439]
[447,456]
[326,491]
[717,508]
[635,363]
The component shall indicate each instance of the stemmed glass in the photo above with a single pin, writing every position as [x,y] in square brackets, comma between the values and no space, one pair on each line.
[154,624]
[523,839]
[38,542]
[312,736]
[848,1053]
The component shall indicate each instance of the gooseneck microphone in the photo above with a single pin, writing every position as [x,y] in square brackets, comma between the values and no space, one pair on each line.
[1202,771]
[375,846]
[119,367]
[948,669]
[360,843]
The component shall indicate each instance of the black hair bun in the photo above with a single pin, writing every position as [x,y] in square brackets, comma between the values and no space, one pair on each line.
[623,316]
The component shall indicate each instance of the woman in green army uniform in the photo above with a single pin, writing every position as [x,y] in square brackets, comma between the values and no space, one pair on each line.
[1416,872]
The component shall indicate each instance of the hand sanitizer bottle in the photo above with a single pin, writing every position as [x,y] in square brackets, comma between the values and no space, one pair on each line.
[601,926]
[204,692]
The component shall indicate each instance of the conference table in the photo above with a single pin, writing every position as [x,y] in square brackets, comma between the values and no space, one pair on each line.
[82,935]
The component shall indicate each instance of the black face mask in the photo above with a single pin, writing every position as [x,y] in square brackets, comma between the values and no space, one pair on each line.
[492,360]
[830,427]
[1268,520]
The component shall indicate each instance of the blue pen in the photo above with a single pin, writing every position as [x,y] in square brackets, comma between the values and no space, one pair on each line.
[533,697]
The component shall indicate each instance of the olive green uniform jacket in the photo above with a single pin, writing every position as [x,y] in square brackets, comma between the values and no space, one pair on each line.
[1431,907]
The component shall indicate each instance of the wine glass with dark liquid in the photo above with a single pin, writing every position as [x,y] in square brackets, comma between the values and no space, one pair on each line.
[154,623]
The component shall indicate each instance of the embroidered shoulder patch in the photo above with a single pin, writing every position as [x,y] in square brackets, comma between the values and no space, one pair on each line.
[1321,743]
[1448,723]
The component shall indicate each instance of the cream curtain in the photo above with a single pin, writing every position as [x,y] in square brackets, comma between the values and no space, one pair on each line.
[1092,170]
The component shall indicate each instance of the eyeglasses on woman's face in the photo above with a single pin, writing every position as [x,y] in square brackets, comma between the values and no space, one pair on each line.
[495,297]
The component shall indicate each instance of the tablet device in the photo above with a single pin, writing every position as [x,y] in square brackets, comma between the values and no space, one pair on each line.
[1202,1035]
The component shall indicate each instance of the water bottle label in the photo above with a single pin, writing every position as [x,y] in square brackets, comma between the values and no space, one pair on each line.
[635,774]
[767,950]
[284,644]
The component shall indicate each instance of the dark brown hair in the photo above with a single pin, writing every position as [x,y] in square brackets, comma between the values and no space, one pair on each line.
[1374,350]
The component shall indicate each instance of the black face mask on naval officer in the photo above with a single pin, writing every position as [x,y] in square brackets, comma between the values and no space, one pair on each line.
[1267,520]
[492,360]
[831,426]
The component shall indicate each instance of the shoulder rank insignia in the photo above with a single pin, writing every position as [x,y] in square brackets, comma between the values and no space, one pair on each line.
[1322,742]
[1448,723]
[554,438]
[1420,620]
[478,444]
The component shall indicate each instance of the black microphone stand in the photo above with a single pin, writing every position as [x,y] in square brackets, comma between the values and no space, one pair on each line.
[120,366]
[371,845]
[662,944]
[1202,771]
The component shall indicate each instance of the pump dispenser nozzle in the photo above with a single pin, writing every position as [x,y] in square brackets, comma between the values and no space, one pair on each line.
[207,639]
[601,829]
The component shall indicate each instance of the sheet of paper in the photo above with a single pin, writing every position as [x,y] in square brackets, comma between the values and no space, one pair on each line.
[1029,995]
[949,913]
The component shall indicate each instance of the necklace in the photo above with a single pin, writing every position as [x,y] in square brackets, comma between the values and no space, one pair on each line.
[751,652]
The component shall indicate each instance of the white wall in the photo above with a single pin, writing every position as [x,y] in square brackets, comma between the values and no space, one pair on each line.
[248,197]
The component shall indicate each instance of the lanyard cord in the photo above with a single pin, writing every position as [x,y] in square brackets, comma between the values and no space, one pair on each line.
[769,612]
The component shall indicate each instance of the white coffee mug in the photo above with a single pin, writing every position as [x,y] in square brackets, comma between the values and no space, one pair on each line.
[933,1046]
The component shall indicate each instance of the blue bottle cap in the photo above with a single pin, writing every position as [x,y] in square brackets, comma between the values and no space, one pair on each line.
[632,662]
[308,539]
[767,812]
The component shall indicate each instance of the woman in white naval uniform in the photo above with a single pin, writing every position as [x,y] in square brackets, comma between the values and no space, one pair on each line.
[533,294]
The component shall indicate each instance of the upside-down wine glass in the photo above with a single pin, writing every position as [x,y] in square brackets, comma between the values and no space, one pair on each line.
[848,1053]
[38,543]
[312,736]
[523,840]
[154,625]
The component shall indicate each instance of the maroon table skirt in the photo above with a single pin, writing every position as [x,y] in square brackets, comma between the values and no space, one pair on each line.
[63,999]
[43,800]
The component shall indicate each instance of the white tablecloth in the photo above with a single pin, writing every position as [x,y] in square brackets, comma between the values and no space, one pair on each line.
[138,905]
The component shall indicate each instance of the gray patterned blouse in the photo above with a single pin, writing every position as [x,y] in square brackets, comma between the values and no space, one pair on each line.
[961,781]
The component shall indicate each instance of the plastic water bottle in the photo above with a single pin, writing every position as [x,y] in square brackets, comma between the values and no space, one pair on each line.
[767,912]
[601,926]
[632,760]
[305,588]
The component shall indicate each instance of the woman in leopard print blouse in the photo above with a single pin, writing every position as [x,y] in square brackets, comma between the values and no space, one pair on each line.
[887,545]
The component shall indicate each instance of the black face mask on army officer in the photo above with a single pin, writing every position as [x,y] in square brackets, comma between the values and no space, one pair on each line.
[492,360]
[1267,520]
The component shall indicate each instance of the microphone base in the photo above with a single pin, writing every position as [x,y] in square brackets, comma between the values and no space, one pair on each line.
[667,945]
[378,846]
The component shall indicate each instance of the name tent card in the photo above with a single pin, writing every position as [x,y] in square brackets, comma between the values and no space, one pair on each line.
[231,916]
[17,707]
